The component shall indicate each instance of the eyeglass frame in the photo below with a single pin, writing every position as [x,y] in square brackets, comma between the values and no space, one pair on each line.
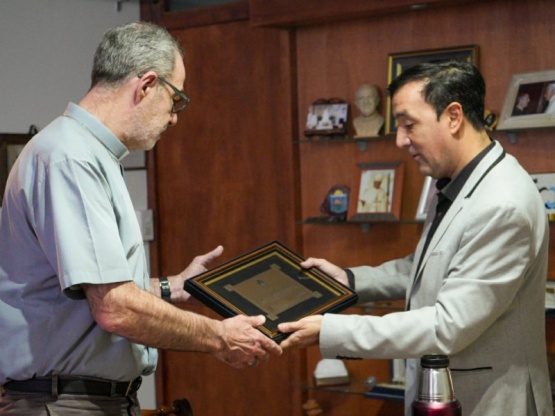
[184,99]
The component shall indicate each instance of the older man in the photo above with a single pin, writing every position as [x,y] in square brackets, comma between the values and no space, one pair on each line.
[80,319]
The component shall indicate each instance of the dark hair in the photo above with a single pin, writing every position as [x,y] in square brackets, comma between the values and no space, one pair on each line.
[133,49]
[447,82]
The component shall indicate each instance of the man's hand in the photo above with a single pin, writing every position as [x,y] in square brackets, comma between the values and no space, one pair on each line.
[200,263]
[330,269]
[197,266]
[304,333]
[243,343]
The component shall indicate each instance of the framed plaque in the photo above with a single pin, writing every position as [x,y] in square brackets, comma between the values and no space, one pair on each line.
[269,281]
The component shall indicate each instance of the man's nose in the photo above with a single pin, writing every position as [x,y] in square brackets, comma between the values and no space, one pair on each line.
[401,139]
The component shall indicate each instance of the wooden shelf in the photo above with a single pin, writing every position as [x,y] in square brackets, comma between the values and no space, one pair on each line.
[334,221]
[361,142]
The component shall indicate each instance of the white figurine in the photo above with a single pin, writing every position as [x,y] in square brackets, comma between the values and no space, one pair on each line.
[369,122]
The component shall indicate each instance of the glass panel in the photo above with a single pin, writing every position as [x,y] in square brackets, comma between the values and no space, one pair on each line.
[174,5]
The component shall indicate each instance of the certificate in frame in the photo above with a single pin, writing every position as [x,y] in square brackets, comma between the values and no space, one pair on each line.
[269,281]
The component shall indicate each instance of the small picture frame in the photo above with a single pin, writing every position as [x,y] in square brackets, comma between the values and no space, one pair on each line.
[327,117]
[426,198]
[378,193]
[11,146]
[529,102]
[545,182]
[398,62]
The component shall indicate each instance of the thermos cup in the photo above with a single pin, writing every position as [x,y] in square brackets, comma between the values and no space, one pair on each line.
[436,396]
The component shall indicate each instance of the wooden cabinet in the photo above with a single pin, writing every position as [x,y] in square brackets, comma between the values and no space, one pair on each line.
[234,171]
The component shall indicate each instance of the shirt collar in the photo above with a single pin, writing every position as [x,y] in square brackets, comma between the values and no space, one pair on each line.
[99,130]
[451,188]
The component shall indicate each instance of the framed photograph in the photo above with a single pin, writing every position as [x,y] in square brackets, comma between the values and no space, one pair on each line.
[11,146]
[529,102]
[398,62]
[546,187]
[426,198]
[378,194]
[327,117]
[269,281]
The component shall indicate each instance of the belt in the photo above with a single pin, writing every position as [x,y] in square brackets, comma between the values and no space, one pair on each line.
[75,385]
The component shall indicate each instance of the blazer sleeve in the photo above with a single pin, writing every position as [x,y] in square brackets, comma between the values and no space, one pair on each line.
[470,281]
[386,282]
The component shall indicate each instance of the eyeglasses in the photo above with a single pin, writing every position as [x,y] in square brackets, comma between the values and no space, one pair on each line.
[179,100]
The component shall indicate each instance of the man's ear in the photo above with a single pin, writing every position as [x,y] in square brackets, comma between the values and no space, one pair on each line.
[455,114]
[145,85]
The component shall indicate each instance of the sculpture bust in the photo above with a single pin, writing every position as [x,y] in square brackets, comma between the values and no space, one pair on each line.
[369,122]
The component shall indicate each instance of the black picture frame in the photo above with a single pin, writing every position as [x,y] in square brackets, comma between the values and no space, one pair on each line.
[269,281]
[10,147]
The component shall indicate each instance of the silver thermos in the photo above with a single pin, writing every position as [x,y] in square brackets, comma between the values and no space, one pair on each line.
[436,396]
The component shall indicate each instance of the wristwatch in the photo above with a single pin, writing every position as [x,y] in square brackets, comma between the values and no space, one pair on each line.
[165,289]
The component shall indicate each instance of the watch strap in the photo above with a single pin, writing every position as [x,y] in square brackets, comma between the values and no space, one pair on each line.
[165,289]
[350,278]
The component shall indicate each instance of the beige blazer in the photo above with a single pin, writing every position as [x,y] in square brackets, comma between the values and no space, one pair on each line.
[479,298]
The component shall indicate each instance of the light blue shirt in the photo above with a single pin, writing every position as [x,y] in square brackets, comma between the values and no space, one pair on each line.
[67,219]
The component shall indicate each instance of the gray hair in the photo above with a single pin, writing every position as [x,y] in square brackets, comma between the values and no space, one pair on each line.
[132,49]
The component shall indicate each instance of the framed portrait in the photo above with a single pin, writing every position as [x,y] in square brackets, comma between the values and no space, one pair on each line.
[269,281]
[426,198]
[327,117]
[11,146]
[398,62]
[529,102]
[378,193]
[545,182]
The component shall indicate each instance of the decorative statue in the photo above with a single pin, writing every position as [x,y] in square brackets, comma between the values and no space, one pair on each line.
[369,122]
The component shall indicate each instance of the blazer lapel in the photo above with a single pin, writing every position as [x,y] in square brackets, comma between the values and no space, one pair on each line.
[457,208]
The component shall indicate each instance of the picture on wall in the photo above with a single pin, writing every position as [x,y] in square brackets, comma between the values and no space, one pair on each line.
[545,183]
[378,194]
[327,117]
[11,146]
[398,62]
[426,198]
[529,102]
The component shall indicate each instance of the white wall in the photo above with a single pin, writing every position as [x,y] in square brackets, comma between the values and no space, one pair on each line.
[46,52]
